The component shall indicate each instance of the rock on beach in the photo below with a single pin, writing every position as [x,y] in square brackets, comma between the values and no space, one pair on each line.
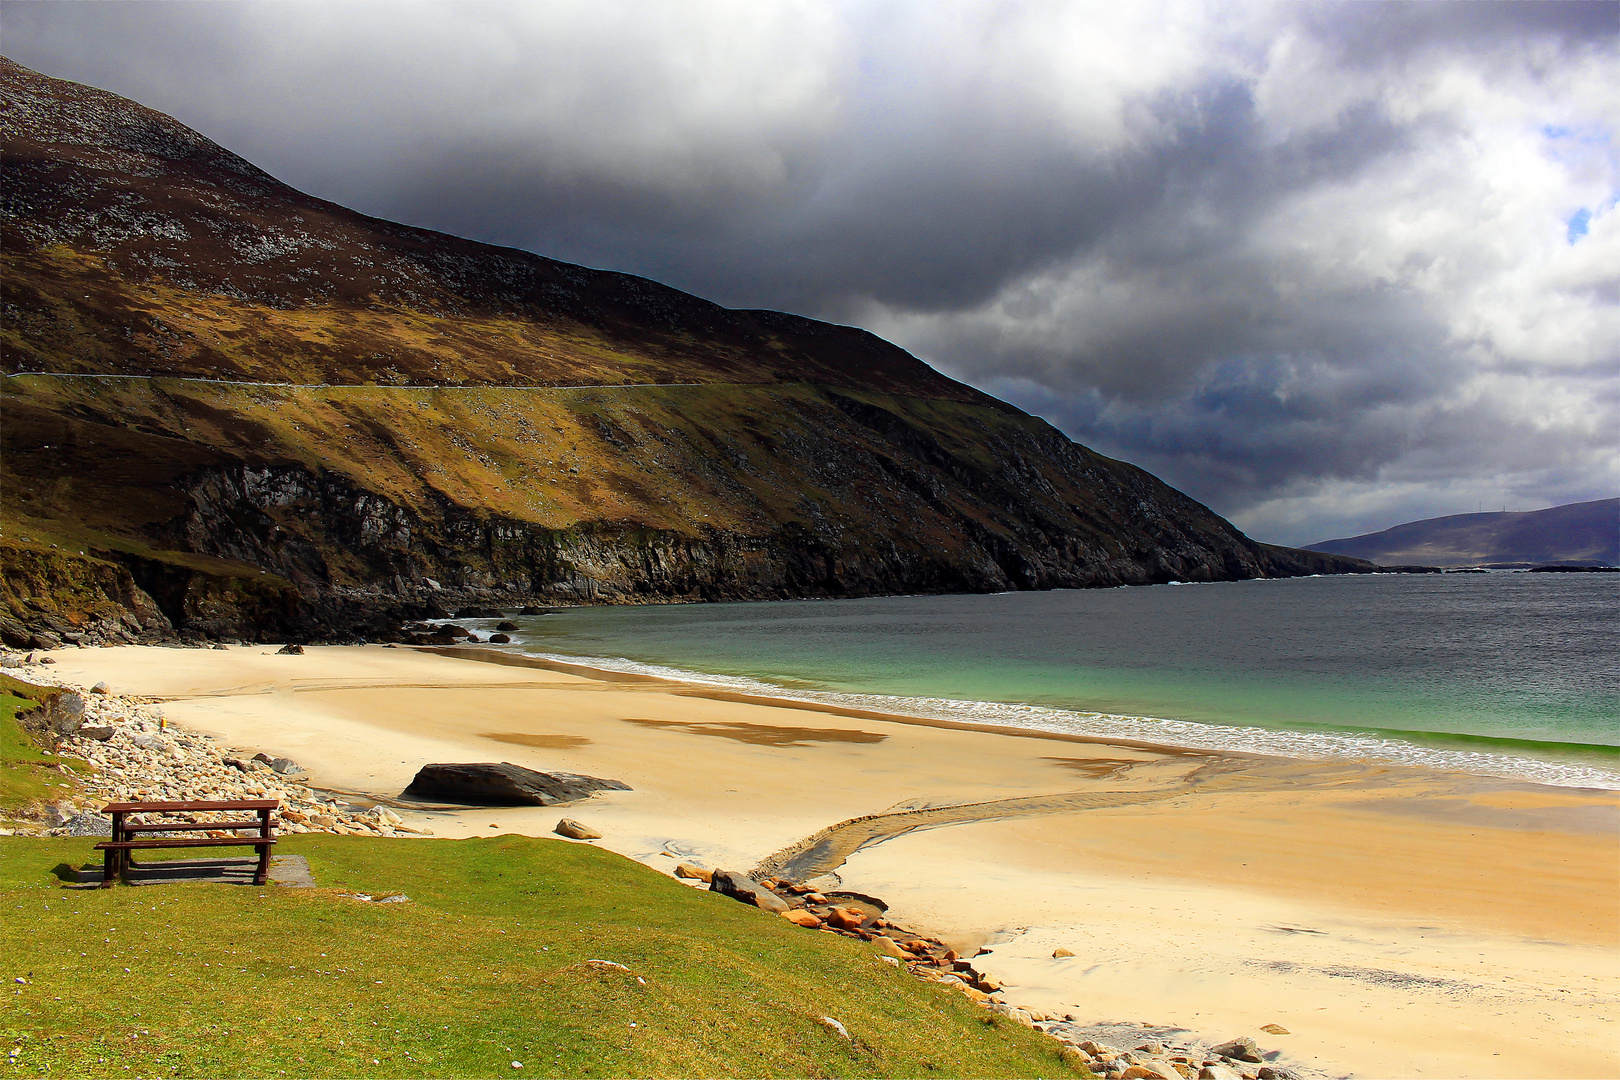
[504,784]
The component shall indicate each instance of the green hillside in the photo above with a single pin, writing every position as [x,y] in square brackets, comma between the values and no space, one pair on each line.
[494,959]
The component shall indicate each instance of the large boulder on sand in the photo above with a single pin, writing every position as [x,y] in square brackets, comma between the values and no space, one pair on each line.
[504,784]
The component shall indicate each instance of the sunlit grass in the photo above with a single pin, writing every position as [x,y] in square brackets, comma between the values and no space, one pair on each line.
[488,963]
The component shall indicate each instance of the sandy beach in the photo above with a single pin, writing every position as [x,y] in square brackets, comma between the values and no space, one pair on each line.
[1398,922]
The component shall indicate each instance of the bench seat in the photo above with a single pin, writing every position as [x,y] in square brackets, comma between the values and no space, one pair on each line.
[189,826]
[196,841]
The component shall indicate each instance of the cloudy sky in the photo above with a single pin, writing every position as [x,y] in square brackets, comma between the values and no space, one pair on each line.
[1326,267]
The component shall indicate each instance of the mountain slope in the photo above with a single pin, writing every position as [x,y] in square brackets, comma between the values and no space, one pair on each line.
[278,416]
[1578,533]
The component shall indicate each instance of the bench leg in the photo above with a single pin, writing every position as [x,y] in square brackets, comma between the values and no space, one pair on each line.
[109,868]
[262,875]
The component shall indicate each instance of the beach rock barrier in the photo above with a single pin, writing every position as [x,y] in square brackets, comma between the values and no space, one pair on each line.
[134,755]
[1185,1059]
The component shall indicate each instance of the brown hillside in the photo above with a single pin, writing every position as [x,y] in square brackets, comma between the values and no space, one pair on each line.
[137,247]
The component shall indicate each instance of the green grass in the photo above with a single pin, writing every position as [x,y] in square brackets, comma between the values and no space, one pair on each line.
[27,774]
[486,965]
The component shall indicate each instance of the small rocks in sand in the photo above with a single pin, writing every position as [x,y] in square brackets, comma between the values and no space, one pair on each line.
[1151,1069]
[1022,1016]
[844,918]
[85,824]
[740,886]
[887,945]
[1242,1048]
[156,745]
[1275,1072]
[693,873]
[1060,952]
[290,650]
[101,688]
[575,831]
[1219,1072]
[284,766]
[1275,1029]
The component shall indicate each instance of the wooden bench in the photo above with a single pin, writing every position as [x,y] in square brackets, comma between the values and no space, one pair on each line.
[125,842]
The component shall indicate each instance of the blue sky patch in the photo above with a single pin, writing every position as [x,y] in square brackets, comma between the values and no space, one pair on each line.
[1579,222]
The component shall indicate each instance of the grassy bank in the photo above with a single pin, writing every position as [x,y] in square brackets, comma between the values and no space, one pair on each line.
[28,776]
[487,964]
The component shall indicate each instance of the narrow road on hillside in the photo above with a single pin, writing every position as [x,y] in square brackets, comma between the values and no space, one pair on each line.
[354,386]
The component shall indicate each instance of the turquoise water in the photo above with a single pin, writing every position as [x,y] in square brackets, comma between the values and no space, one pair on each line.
[1512,674]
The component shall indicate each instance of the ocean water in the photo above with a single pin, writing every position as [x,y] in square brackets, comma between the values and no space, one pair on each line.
[1506,674]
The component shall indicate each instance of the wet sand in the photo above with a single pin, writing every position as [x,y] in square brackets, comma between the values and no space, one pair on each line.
[1399,922]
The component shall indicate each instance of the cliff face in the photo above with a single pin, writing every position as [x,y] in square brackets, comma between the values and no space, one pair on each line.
[282,418]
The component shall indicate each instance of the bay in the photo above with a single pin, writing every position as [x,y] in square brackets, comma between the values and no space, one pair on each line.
[1509,674]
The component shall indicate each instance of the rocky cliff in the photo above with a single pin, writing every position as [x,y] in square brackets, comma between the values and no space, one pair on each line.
[267,416]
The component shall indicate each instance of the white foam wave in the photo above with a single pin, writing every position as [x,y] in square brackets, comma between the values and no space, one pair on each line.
[1312,745]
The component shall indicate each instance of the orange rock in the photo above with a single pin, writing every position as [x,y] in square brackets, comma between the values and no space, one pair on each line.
[844,918]
[694,873]
[800,917]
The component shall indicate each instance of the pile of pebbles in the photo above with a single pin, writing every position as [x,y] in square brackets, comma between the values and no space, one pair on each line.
[134,755]
[1159,1059]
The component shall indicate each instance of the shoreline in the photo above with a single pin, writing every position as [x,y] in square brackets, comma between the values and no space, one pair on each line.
[699,690]
[1386,915]
[1497,766]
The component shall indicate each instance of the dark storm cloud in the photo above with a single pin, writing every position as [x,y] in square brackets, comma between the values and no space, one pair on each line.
[1313,263]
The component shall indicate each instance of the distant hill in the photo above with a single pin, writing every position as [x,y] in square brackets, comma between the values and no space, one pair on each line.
[235,410]
[1580,533]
